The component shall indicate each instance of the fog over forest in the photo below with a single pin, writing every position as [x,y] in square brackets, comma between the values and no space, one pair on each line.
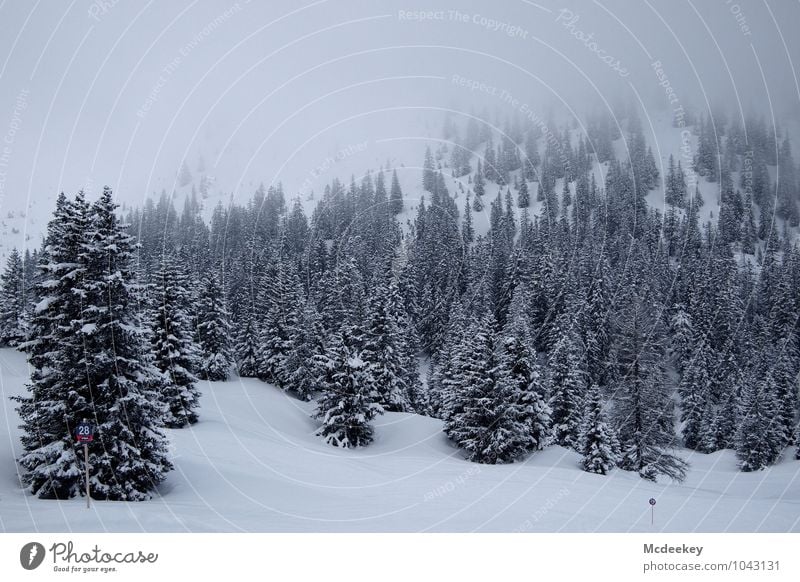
[386,266]
[120,93]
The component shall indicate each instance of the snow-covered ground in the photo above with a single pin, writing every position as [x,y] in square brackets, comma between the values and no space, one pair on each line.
[252,463]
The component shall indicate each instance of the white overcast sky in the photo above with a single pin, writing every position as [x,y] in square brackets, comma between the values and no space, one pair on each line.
[95,93]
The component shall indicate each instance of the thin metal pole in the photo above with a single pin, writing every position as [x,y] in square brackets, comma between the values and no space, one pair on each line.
[86,463]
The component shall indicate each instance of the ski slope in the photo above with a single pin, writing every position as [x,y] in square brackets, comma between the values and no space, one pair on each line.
[252,463]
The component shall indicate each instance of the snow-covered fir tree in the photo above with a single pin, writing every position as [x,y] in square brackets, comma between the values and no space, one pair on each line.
[213,331]
[348,401]
[596,327]
[443,386]
[759,439]
[681,337]
[396,194]
[130,453]
[599,446]
[246,348]
[488,417]
[176,354]
[428,172]
[304,369]
[643,412]
[282,303]
[58,397]
[696,400]
[91,362]
[526,401]
[523,197]
[13,301]
[384,349]
[567,381]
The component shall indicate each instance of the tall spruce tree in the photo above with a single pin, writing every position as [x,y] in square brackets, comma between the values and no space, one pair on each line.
[467,230]
[280,320]
[599,446]
[58,396]
[348,401]
[246,349]
[428,172]
[90,359]
[304,368]
[213,331]
[443,387]
[176,354]
[567,382]
[487,417]
[759,440]
[12,301]
[480,188]
[395,195]
[643,413]
[696,400]
[523,197]
[128,457]
[385,351]
[526,399]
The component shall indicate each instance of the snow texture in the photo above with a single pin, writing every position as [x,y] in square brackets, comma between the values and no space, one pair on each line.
[252,463]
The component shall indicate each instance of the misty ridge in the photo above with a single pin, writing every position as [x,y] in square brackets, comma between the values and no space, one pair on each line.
[268,93]
[547,228]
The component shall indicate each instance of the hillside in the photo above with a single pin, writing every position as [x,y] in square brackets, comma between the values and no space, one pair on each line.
[252,463]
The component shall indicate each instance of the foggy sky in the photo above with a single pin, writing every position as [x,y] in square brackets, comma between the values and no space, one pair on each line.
[95,93]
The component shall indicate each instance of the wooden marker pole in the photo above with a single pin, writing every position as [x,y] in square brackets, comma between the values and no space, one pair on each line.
[84,433]
[86,463]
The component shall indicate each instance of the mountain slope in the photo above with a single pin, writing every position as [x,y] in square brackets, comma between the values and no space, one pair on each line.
[252,463]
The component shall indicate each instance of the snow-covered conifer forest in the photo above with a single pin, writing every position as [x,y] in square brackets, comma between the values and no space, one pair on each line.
[513,321]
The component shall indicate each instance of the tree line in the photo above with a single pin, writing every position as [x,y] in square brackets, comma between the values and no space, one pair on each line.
[583,316]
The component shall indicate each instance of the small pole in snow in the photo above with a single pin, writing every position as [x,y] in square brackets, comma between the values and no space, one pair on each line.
[84,433]
[652,509]
[86,462]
